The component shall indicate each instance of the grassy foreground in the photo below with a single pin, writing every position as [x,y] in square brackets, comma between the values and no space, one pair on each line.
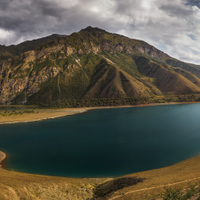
[153,184]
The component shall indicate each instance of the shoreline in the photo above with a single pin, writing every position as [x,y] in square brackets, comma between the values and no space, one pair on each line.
[2,157]
[178,175]
[45,114]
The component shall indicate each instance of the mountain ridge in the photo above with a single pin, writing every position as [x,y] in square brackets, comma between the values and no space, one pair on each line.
[90,64]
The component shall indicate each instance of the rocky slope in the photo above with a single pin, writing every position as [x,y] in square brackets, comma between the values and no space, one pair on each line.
[90,64]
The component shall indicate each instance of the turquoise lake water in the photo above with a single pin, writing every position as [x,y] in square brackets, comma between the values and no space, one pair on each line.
[104,143]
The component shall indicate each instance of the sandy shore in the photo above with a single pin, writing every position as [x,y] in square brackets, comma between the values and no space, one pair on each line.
[42,114]
[2,157]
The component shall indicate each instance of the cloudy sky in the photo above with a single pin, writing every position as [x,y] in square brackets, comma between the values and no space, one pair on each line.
[172,26]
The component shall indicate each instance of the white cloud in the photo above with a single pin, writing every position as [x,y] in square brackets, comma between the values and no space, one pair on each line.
[6,35]
[167,25]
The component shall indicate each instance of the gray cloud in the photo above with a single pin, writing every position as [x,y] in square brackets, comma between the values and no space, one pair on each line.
[193,3]
[172,26]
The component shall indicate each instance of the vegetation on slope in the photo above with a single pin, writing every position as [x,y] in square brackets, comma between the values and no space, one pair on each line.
[90,64]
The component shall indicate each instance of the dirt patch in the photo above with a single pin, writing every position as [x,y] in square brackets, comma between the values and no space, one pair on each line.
[2,157]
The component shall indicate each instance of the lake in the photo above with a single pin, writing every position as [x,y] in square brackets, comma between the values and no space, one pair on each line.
[105,142]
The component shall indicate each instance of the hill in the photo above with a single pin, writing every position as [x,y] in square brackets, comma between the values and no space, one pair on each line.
[90,68]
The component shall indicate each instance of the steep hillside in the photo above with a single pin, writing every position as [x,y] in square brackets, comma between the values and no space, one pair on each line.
[168,80]
[91,64]
[14,50]
[194,69]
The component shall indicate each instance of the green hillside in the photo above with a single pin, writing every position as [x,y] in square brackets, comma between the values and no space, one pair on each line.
[91,65]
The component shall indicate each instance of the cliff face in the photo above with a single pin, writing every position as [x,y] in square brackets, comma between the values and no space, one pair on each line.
[90,64]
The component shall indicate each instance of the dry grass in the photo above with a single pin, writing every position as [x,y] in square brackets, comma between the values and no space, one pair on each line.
[179,176]
[40,114]
[14,185]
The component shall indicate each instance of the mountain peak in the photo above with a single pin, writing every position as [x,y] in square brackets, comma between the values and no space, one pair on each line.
[91,68]
[93,29]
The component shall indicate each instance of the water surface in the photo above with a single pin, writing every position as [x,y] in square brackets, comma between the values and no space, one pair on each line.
[106,142]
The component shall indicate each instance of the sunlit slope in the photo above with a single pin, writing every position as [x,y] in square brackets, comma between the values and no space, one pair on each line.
[92,63]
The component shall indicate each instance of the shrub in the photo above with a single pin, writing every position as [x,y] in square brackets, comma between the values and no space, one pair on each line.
[171,194]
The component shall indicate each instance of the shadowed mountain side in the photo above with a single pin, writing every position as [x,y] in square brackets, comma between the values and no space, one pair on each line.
[111,82]
[194,69]
[194,79]
[168,81]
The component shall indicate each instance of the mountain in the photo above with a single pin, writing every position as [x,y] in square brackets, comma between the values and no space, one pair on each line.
[15,50]
[90,65]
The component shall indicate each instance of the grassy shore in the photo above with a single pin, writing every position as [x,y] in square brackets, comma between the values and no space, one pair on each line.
[151,185]
[39,114]
[24,114]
